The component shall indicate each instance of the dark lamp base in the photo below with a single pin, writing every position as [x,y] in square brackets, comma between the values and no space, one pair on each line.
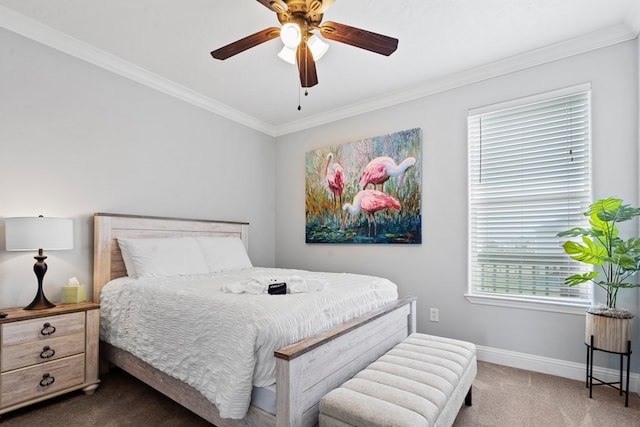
[39,302]
[40,268]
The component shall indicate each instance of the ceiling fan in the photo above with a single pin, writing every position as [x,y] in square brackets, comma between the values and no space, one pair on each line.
[299,18]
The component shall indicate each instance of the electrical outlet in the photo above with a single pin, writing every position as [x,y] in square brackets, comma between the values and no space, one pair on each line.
[434,315]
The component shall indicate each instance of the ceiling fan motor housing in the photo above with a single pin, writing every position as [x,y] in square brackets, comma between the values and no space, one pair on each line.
[301,13]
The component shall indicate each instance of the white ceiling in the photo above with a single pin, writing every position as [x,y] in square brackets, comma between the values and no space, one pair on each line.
[443,43]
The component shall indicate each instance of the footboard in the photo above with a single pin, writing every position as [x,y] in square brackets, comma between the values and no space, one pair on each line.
[307,370]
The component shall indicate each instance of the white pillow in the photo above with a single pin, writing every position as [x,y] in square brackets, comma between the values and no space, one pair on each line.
[224,253]
[163,257]
[128,262]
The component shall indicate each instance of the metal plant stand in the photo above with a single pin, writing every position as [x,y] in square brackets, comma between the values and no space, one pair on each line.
[621,385]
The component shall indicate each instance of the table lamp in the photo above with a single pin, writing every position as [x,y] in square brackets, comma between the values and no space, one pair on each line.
[38,233]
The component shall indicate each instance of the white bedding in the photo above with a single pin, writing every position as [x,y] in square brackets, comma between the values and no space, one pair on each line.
[222,343]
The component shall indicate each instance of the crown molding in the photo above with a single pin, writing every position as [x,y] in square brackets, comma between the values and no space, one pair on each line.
[48,36]
[586,43]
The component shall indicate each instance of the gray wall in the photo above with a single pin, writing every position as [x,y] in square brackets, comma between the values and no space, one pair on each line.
[76,139]
[436,271]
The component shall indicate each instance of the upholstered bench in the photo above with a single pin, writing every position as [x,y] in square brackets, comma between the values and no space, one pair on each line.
[422,381]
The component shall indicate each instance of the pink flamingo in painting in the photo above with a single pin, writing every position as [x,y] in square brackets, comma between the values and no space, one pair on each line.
[380,169]
[334,174]
[370,202]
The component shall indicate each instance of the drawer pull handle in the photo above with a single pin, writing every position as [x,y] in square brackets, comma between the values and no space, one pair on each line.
[47,329]
[47,380]
[47,352]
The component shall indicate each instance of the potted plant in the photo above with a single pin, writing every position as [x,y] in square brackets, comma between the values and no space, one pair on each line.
[617,260]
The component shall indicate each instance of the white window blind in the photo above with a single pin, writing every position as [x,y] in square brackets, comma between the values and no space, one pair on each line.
[529,179]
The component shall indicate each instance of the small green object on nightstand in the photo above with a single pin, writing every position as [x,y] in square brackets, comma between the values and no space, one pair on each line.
[74,294]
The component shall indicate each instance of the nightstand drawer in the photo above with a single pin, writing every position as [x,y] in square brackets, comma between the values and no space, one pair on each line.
[37,352]
[42,328]
[40,380]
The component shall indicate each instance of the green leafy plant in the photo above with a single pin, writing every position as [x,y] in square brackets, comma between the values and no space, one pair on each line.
[601,246]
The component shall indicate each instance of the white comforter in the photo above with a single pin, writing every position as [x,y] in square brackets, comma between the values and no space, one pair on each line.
[222,343]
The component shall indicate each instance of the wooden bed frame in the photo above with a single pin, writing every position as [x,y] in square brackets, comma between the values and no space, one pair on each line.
[305,371]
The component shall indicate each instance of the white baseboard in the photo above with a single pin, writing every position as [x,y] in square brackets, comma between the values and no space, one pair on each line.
[546,365]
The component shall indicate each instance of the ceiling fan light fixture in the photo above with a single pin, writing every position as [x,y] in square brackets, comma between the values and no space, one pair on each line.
[288,54]
[291,35]
[317,46]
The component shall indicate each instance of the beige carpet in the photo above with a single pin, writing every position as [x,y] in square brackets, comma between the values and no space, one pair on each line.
[502,396]
[511,397]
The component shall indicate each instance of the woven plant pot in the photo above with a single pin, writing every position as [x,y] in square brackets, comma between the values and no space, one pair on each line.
[609,333]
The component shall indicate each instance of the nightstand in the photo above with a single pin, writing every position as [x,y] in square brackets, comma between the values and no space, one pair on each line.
[46,353]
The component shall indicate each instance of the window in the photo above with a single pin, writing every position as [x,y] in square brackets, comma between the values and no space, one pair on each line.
[529,179]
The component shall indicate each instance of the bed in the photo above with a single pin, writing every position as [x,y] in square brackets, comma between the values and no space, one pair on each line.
[304,370]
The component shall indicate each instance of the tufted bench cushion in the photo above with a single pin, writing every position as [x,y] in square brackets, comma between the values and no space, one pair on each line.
[422,381]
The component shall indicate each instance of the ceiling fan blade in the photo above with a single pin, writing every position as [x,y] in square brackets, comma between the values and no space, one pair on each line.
[246,43]
[357,37]
[277,6]
[306,66]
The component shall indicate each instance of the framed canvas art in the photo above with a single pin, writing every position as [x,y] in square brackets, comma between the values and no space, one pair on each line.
[366,191]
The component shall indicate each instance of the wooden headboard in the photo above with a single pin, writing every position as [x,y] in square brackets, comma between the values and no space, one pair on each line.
[107,228]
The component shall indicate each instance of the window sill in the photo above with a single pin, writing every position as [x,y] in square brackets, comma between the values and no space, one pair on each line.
[540,305]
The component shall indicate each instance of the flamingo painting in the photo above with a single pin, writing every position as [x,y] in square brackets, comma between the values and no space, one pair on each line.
[334,174]
[370,202]
[368,178]
[380,169]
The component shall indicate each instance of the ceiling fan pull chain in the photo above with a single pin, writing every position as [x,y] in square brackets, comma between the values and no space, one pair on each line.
[306,66]
[306,92]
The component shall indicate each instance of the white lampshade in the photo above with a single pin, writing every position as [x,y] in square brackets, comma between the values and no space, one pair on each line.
[291,35]
[288,54]
[33,233]
[317,46]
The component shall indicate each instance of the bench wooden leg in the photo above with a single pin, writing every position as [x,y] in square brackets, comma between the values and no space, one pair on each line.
[467,399]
